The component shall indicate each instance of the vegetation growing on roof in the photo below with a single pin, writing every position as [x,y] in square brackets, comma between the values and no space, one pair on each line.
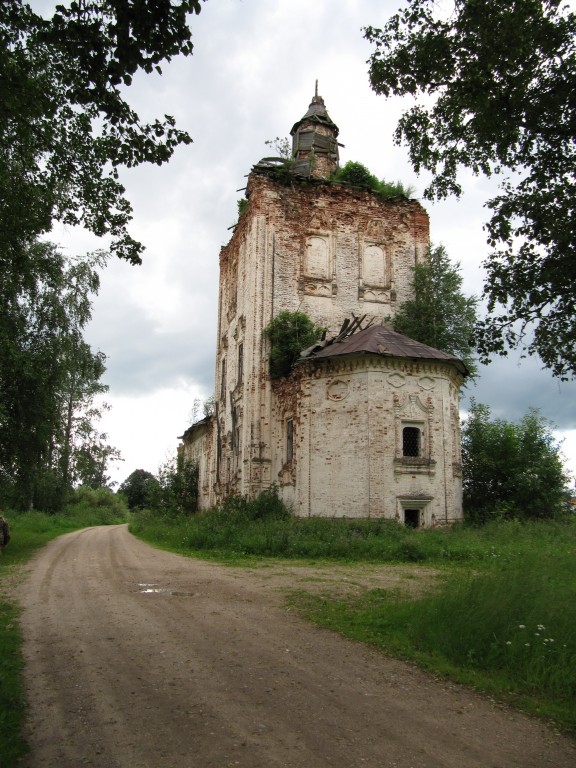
[357,175]
[289,333]
[282,146]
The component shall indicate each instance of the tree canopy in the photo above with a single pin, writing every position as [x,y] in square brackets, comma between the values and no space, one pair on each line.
[65,124]
[141,488]
[511,470]
[440,315]
[502,77]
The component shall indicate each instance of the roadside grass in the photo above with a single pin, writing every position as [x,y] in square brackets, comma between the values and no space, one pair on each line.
[29,532]
[501,618]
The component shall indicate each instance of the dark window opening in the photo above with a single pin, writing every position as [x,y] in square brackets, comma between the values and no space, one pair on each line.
[412,518]
[240,363]
[289,439]
[223,380]
[234,432]
[411,441]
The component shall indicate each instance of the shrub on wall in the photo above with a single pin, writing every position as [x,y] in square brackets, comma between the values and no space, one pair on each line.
[289,333]
[357,175]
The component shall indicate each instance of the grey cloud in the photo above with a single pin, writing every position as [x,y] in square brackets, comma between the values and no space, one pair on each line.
[510,386]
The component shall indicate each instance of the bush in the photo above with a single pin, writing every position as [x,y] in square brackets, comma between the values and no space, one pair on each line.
[357,175]
[511,470]
[140,489]
[178,491]
[289,334]
[96,506]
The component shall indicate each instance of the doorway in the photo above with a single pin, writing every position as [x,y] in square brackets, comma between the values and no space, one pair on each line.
[412,518]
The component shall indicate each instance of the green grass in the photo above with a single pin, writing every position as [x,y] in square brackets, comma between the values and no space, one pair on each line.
[12,708]
[502,618]
[236,534]
[30,531]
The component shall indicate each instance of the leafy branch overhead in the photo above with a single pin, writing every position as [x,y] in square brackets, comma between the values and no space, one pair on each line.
[65,125]
[502,76]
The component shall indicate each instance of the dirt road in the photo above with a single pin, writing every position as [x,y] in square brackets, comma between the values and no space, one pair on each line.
[138,658]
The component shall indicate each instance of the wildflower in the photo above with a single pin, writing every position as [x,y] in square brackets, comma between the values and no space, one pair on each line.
[521,626]
[527,645]
[540,627]
[508,642]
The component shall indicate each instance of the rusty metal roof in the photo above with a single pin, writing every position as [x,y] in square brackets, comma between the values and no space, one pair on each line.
[382,340]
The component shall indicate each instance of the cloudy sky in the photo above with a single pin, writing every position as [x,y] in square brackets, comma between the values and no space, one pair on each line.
[250,79]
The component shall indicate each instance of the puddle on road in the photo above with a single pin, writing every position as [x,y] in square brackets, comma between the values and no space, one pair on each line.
[154,589]
[150,589]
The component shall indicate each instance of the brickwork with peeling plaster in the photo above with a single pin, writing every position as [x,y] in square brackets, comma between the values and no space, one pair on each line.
[328,250]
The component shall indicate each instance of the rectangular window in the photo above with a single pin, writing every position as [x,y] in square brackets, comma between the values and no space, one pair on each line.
[223,380]
[289,439]
[234,432]
[411,442]
[240,363]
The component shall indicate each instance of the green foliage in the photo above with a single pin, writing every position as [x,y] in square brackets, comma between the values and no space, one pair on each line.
[439,314]
[12,702]
[264,526]
[100,506]
[242,206]
[511,470]
[65,126]
[140,489]
[174,491]
[515,59]
[178,481]
[289,334]
[49,378]
[266,506]
[357,175]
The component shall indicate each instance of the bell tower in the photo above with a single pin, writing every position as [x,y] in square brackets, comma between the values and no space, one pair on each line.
[314,142]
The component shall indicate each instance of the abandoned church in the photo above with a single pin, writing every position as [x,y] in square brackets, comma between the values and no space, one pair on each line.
[366,423]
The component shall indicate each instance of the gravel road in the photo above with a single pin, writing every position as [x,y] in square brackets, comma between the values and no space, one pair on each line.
[138,658]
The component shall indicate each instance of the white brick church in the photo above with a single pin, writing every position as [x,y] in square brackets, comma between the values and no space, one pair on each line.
[366,426]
